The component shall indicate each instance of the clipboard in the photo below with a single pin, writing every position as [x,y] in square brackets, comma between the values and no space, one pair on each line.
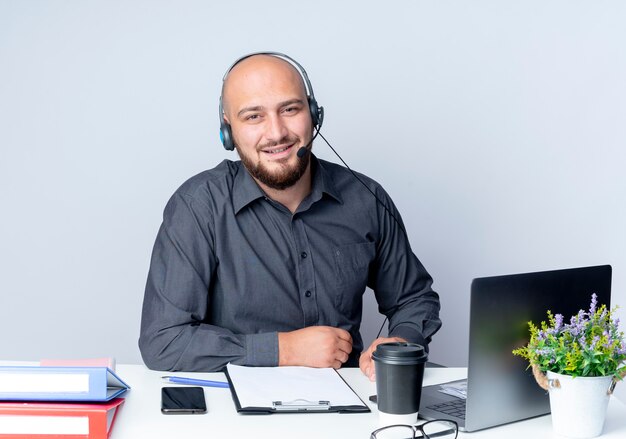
[291,389]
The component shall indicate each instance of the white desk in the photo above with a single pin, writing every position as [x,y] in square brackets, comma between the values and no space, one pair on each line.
[141,416]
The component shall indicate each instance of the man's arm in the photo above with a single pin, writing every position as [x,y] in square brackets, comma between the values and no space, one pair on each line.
[403,289]
[174,333]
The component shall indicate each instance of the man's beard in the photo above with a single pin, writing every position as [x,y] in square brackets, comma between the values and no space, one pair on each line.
[280,179]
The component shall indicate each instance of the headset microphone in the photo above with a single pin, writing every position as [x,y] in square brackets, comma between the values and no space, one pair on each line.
[303,150]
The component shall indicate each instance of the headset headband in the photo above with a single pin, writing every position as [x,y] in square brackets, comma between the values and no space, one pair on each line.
[287,58]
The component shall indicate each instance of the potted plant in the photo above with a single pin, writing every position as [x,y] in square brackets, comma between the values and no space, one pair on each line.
[578,363]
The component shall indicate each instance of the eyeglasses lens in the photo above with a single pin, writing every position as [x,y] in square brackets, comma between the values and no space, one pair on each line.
[395,432]
[440,429]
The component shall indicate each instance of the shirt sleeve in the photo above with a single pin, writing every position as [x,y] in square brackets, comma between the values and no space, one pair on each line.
[402,285]
[175,330]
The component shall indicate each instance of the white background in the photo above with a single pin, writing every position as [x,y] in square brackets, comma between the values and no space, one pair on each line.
[499,129]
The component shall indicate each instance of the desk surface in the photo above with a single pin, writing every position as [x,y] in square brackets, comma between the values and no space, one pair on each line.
[141,416]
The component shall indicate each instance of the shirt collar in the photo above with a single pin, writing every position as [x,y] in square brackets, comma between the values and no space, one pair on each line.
[246,190]
[323,181]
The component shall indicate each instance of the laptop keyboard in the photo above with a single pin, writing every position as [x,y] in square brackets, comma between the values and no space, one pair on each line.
[453,408]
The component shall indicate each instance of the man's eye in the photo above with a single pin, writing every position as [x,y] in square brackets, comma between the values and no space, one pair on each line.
[252,117]
[291,109]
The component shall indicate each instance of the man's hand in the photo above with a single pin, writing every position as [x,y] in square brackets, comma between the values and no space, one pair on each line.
[314,346]
[366,363]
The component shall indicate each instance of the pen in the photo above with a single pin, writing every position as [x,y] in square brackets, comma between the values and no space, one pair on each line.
[195,382]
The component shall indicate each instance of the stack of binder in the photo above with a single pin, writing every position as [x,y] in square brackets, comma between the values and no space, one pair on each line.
[59,402]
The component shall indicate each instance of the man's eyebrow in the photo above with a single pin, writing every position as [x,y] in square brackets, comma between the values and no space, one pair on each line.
[280,105]
[291,102]
[247,109]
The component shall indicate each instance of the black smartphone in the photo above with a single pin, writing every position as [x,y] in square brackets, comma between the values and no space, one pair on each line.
[182,400]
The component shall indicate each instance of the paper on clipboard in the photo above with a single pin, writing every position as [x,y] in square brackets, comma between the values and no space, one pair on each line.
[263,387]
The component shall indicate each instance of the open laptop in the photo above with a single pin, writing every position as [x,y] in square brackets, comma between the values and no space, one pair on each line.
[500,388]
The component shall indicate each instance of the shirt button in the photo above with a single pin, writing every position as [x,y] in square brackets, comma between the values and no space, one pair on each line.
[307,294]
[303,255]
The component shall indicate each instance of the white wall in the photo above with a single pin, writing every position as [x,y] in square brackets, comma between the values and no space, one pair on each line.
[498,128]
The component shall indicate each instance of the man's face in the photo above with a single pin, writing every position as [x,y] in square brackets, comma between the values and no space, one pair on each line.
[265,103]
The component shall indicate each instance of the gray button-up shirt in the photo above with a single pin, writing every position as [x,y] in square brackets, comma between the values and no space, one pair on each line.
[231,268]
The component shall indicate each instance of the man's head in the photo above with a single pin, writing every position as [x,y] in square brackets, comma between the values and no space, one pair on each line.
[265,102]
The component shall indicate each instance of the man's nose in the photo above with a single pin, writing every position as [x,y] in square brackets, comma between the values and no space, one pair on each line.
[276,129]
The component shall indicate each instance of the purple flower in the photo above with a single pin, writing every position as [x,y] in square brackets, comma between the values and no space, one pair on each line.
[603,315]
[544,352]
[578,319]
[594,342]
[558,322]
[576,327]
[594,303]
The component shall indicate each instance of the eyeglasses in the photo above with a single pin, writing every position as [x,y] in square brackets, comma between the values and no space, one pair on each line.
[439,428]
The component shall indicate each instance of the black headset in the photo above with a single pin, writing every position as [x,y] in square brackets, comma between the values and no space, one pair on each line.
[317,112]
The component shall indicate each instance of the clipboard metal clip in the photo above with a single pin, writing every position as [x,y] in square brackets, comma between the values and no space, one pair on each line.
[301,405]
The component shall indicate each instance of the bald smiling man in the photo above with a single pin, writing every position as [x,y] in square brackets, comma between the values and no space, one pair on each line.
[264,261]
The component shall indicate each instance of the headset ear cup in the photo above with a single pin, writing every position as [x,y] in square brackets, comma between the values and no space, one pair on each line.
[320,117]
[315,112]
[226,136]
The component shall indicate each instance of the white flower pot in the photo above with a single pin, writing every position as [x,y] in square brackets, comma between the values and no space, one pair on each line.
[578,404]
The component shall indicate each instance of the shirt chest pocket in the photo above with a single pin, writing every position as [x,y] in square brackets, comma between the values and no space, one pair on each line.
[352,263]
